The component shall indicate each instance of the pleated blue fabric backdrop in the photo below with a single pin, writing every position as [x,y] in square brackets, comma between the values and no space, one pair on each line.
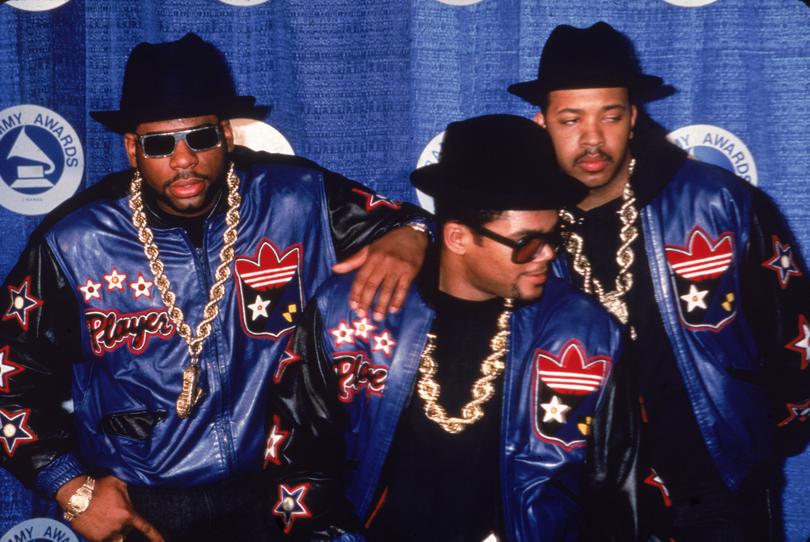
[363,86]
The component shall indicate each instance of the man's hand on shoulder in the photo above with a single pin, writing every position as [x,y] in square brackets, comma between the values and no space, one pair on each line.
[109,514]
[388,266]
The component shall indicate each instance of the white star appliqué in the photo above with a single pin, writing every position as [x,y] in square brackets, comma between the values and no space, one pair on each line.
[555,410]
[343,334]
[7,368]
[115,280]
[695,298]
[259,308]
[801,343]
[91,290]
[383,342]
[141,287]
[274,440]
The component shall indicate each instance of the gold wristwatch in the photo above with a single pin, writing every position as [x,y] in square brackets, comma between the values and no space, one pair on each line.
[80,500]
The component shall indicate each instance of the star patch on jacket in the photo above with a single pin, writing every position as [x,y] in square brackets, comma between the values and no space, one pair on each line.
[14,430]
[706,299]
[8,368]
[563,395]
[269,290]
[291,505]
[782,262]
[22,303]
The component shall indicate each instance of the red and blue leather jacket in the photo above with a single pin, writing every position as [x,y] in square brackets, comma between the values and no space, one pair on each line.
[733,296]
[345,380]
[84,321]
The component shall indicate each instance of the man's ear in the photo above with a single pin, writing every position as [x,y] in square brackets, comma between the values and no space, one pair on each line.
[456,237]
[131,146]
[227,132]
[540,119]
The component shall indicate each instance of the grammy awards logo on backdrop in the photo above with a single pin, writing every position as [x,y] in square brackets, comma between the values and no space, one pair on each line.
[260,136]
[41,159]
[430,155]
[690,3]
[40,530]
[243,3]
[36,5]
[716,146]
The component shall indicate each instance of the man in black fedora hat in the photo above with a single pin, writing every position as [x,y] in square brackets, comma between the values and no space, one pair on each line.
[466,416]
[161,301]
[702,269]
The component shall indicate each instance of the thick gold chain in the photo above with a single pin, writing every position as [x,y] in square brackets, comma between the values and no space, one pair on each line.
[483,388]
[191,393]
[614,300]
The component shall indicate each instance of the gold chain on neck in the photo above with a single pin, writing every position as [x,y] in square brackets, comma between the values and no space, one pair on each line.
[614,300]
[483,388]
[191,393]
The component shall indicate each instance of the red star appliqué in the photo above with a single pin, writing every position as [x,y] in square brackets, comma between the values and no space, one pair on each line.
[801,343]
[782,263]
[796,411]
[14,430]
[288,358]
[654,480]
[374,200]
[7,369]
[274,441]
[22,303]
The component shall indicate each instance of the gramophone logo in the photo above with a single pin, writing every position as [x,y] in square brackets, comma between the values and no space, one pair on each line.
[41,159]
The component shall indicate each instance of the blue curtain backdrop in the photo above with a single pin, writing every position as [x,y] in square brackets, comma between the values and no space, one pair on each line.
[363,86]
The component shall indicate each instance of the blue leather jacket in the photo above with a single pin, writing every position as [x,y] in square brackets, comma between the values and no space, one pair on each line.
[86,322]
[346,389]
[730,291]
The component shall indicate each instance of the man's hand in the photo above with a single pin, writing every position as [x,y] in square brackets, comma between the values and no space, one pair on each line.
[388,266]
[110,513]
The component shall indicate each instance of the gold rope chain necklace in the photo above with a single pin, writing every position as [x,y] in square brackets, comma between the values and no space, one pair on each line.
[614,300]
[191,392]
[483,388]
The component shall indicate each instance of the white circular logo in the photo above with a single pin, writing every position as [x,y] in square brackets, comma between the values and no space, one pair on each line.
[459,2]
[41,159]
[243,3]
[41,530]
[36,5]
[260,136]
[716,146]
[430,155]
[690,3]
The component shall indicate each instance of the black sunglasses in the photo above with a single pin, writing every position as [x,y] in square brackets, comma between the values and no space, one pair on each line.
[163,144]
[527,247]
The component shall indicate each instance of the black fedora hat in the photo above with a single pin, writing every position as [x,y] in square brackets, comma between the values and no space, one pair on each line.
[176,79]
[497,163]
[595,57]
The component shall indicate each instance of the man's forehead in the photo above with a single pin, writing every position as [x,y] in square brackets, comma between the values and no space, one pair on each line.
[602,96]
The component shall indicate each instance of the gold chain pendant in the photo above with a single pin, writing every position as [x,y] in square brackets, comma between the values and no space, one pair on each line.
[191,392]
[483,389]
[613,301]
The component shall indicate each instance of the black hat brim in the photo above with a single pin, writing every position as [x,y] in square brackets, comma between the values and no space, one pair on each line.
[123,121]
[534,91]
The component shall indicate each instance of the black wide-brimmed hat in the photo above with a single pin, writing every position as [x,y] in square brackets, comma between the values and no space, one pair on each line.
[176,79]
[595,57]
[497,163]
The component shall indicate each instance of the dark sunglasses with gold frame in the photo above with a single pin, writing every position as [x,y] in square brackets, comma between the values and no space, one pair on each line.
[527,247]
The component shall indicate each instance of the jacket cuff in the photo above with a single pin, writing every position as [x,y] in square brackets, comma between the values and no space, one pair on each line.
[57,473]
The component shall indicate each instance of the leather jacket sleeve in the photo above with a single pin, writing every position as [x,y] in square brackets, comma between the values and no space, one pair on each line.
[304,410]
[358,215]
[613,460]
[776,301]
[39,341]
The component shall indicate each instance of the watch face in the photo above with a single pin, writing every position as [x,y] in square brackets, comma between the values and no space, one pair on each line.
[79,501]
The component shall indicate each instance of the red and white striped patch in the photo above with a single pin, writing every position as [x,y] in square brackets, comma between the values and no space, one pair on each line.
[572,373]
[703,258]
